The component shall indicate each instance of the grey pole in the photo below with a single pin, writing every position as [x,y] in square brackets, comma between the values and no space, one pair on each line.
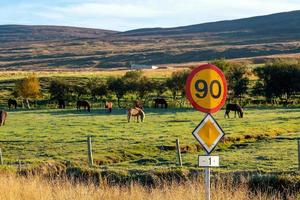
[90,155]
[178,153]
[298,154]
[1,158]
[207,182]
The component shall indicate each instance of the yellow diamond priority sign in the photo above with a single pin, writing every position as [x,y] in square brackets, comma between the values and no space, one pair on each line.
[208,133]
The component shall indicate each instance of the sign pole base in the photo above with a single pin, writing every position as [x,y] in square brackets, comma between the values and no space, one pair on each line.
[207,183]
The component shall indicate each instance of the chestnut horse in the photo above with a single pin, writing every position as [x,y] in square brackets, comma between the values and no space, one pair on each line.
[84,104]
[3,116]
[135,112]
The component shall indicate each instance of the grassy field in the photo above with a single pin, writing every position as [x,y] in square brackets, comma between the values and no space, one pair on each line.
[264,140]
[262,147]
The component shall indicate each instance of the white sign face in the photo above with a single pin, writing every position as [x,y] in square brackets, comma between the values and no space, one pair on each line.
[208,133]
[208,161]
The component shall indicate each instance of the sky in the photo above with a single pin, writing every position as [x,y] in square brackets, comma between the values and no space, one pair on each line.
[124,15]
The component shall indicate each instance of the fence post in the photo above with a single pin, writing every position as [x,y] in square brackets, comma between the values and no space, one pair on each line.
[298,154]
[90,155]
[1,158]
[19,164]
[178,153]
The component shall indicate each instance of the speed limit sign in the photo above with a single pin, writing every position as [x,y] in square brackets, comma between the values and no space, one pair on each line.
[206,88]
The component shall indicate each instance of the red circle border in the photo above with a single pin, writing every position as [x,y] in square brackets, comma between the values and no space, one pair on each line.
[188,93]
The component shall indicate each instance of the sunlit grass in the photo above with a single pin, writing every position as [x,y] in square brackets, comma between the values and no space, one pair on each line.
[35,188]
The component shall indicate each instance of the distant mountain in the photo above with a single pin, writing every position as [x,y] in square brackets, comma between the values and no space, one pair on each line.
[52,47]
[12,33]
[275,24]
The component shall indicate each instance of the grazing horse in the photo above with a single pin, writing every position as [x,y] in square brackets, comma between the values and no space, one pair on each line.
[61,104]
[138,104]
[12,102]
[3,116]
[234,107]
[135,112]
[84,104]
[109,106]
[161,102]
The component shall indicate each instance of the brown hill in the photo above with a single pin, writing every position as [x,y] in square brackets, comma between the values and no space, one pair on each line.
[25,33]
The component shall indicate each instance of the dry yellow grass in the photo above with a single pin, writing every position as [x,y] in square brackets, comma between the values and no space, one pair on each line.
[159,73]
[35,188]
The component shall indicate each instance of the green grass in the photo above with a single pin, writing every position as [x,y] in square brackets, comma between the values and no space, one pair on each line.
[267,138]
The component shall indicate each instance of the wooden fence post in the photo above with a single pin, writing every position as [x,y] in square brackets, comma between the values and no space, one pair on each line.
[90,155]
[178,153]
[19,164]
[1,158]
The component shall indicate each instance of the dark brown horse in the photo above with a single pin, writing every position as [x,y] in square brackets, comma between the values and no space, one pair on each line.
[84,104]
[12,103]
[3,116]
[61,104]
[234,107]
[160,102]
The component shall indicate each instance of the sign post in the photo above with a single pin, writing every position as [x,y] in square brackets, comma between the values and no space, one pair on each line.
[206,89]
[207,182]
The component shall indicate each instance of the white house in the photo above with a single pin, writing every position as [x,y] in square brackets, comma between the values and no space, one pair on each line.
[138,66]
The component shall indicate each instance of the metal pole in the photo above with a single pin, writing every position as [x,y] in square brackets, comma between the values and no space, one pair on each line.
[90,155]
[207,182]
[1,158]
[298,154]
[178,153]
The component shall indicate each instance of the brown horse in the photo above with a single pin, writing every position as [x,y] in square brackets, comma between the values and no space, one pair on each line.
[3,116]
[61,104]
[135,112]
[234,107]
[84,104]
[138,104]
[160,102]
[12,103]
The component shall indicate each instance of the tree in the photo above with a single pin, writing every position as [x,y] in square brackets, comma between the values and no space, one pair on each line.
[131,80]
[133,75]
[28,87]
[279,79]
[237,80]
[159,87]
[59,90]
[144,87]
[97,88]
[117,85]
[176,83]
[222,64]
[80,90]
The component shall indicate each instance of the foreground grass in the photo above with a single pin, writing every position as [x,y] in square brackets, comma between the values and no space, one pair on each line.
[36,188]
[264,140]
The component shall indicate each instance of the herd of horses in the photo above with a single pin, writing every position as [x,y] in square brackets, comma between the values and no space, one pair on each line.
[137,111]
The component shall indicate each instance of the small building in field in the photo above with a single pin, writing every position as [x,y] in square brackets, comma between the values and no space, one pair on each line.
[139,66]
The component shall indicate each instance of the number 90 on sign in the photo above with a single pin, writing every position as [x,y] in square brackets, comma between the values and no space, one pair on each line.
[206,88]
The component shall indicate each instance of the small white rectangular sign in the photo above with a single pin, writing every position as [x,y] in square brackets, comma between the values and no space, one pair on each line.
[208,161]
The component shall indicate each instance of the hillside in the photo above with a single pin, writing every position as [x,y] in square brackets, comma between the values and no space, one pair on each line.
[56,47]
[23,33]
[276,25]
